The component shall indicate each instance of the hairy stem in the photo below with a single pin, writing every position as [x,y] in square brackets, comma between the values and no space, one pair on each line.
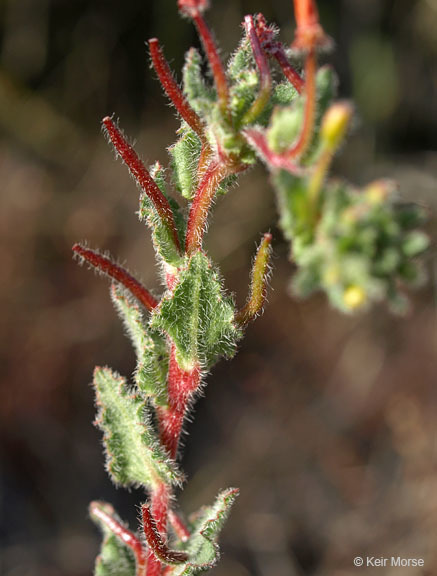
[201,205]
[118,273]
[181,387]
[264,73]
[287,69]
[142,177]
[173,91]
[306,134]
[215,62]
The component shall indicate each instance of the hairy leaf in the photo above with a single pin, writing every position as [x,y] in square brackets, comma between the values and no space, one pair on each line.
[185,157]
[202,547]
[151,349]
[198,316]
[115,559]
[162,238]
[134,456]
[200,96]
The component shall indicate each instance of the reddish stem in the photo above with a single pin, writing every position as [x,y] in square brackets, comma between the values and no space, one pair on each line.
[201,205]
[264,72]
[272,47]
[142,176]
[172,89]
[181,386]
[97,509]
[116,272]
[215,62]
[155,541]
[289,72]
[306,134]
[309,33]
[306,13]
[257,140]
[178,526]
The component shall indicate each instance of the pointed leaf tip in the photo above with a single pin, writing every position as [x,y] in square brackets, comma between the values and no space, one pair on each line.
[202,547]
[134,455]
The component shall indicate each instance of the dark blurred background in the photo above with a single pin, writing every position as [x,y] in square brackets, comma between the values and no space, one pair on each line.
[327,424]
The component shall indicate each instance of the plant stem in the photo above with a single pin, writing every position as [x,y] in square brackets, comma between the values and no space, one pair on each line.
[289,72]
[201,205]
[215,62]
[118,273]
[142,177]
[310,108]
[173,91]
[264,73]
[159,509]
[181,386]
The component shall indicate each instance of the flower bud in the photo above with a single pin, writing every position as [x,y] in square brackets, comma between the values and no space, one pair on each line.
[335,124]
[354,297]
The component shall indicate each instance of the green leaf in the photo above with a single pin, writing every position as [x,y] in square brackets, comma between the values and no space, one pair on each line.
[115,559]
[185,157]
[162,238]
[296,215]
[133,454]
[202,548]
[286,122]
[201,97]
[326,86]
[151,349]
[198,316]
[284,128]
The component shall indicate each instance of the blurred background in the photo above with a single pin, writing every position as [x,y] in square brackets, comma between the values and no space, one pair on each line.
[327,424]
